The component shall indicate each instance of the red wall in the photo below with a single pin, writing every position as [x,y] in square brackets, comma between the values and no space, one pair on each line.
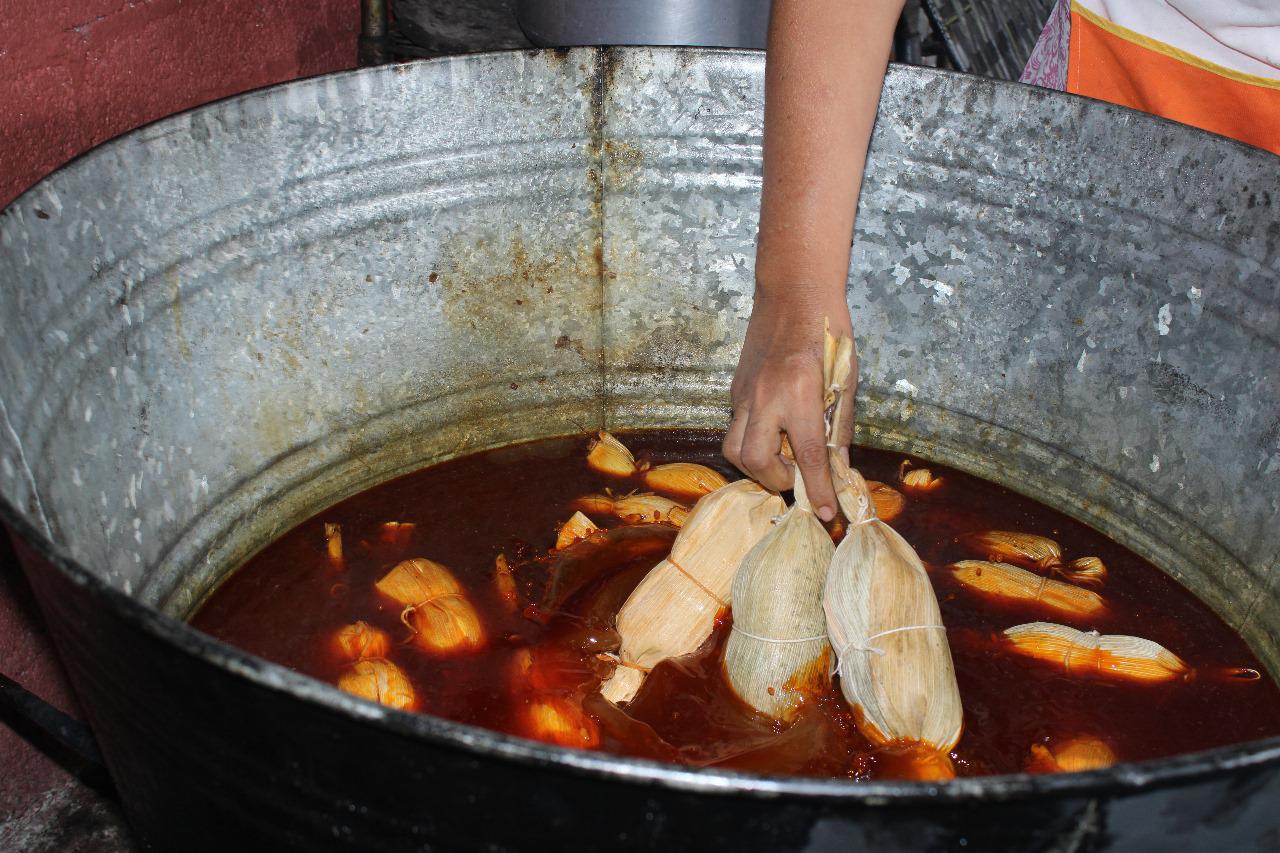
[76,73]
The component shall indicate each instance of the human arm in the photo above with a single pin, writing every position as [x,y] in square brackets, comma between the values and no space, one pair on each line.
[825,67]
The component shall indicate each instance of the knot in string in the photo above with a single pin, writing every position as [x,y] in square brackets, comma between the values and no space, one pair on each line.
[865,644]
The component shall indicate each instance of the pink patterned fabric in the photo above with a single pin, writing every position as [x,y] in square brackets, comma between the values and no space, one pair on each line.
[1047,65]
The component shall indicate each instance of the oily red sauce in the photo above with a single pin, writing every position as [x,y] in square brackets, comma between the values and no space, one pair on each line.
[286,603]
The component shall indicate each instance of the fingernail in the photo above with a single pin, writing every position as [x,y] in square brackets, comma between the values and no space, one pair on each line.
[826,513]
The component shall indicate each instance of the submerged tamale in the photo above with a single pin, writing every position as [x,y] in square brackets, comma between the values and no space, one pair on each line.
[1001,580]
[777,653]
[436,608]
[886,629]
[379,681]
[1116,657]
[1074,755]
[673,610]
[359,641]
[1035,552]
[637,508]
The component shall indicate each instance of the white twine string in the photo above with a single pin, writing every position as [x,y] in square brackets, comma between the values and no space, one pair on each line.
[744,632]
[864,645]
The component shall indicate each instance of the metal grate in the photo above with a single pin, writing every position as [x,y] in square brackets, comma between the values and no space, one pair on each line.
[993,38]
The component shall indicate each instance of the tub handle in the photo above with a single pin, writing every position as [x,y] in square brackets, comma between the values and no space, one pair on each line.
[64,739]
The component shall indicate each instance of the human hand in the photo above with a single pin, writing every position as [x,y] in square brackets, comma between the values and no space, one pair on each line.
[778,388]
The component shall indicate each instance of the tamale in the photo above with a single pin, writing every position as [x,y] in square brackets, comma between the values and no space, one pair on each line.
[1034,552]
[639,508]
[1085,570]
[436,609]
[683,480]
[673,610]
[1075,755]
[379,681]
[609,456]
[886,629]
[1001,580]
[360,640]
[558,720]
[333,545]
[1116,657]
[777,652]
[577,527]
[887,501]
[917,482]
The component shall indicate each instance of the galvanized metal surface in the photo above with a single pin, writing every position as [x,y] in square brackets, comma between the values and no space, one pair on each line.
[219,324]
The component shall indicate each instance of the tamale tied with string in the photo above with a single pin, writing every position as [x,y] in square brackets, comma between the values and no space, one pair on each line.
[777,654]
[885,626]
[673,610]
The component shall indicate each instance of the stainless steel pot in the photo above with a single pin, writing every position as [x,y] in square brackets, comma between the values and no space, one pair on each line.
[220,323]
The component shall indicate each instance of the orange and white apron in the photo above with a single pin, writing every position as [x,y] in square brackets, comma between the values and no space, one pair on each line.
[1214,64]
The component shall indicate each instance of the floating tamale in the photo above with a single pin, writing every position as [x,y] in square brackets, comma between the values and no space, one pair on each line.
[1001,580]
[577,527]
[379,681]
[360,640]
[886,629]
[558,720]
[436,609]
[683,480]
[1075,755]
[673,610]
[887,501]
[641,508]
[917,482]
[777,652]
[1034,552]
[609,456]
[915,761]
[333,544]
[1116,657]
[504,583]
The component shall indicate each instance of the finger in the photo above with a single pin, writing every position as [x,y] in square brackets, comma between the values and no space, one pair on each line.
[731,447]
[809,446]
[761,451]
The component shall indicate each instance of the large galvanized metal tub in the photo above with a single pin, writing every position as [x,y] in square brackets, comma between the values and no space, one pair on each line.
[220,323]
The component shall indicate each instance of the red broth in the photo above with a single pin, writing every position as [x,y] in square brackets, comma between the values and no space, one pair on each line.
[287,602]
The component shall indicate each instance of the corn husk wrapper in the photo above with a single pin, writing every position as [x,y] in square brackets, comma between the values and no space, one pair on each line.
[1115,657]
[379,681]
[1071,756]
[673,610]
[1001,580]
[577,527]
[893,658]
[607,455]
[359,641]
[887,501]
[1034,552]
[436,608]
[639,508]
[333,545]
[683,480]
[917,482]
[777,653]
